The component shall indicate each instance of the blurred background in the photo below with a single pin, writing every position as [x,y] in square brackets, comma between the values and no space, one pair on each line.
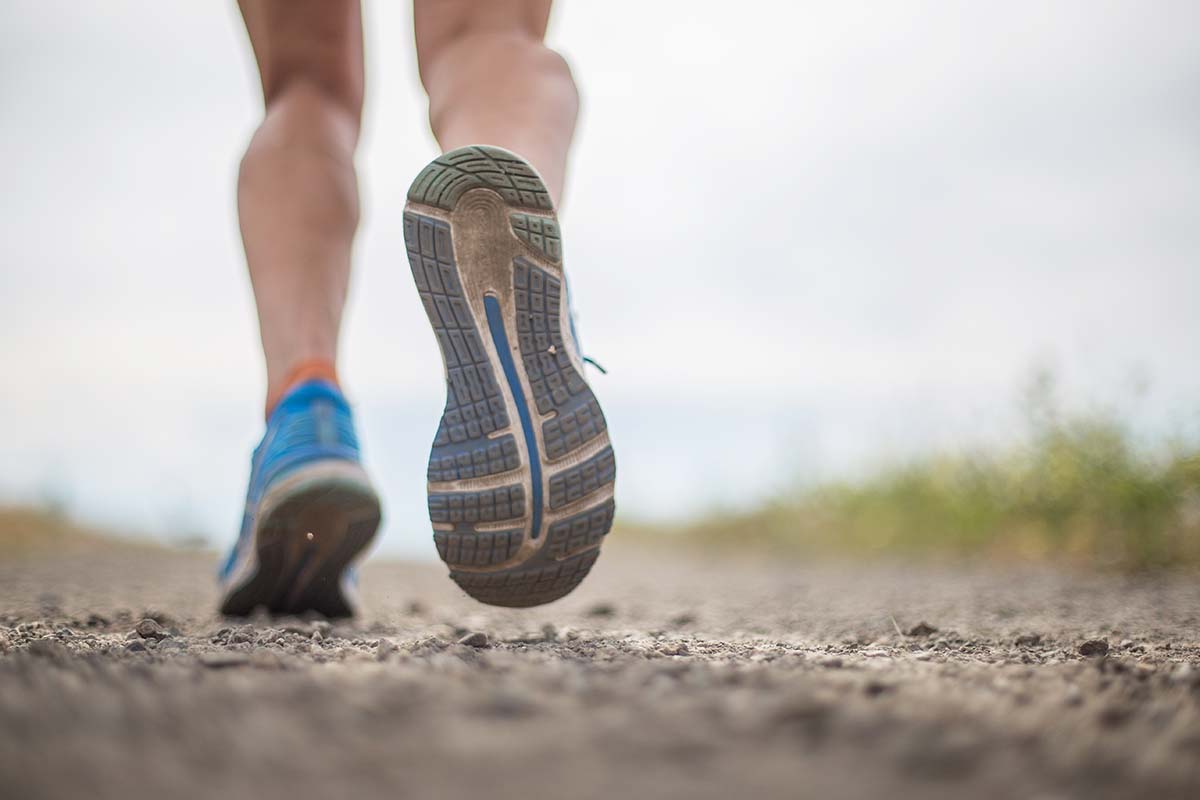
[915,275]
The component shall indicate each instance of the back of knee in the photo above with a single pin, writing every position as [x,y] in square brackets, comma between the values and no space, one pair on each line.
[503,44]
[309,108]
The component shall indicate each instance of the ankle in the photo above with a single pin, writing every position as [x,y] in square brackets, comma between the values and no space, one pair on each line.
[310,369]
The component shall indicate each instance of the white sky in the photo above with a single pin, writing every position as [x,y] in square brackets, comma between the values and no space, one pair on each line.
[802,237]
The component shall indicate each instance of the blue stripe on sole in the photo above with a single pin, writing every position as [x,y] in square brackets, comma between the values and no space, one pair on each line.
[500,339]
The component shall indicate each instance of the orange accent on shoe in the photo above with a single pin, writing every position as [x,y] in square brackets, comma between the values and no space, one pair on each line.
[311,369]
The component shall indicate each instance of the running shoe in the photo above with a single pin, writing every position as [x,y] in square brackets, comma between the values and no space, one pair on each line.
[521,475]
[310,511]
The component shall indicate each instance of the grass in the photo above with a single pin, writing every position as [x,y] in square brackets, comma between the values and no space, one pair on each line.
[1075,487]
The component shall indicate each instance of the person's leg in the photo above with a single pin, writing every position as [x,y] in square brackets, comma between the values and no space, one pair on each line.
[492,81]
[297,192]
[522,471]
[311,510]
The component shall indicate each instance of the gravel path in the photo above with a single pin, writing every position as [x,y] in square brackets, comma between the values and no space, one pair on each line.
[661,677]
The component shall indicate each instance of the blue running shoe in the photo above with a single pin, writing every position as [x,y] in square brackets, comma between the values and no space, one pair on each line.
[310,511]
[521,476]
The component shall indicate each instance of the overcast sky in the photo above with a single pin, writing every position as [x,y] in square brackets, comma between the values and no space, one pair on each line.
[802,238]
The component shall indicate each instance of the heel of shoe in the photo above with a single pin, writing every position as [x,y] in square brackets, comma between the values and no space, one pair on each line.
[311,527]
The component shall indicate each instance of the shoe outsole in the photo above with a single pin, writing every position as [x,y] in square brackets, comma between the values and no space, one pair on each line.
[521,472]
[310,529]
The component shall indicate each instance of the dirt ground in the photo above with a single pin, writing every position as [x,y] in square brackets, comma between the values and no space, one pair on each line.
[664,676]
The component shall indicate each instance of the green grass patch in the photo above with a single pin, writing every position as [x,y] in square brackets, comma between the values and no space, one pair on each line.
[1074,487]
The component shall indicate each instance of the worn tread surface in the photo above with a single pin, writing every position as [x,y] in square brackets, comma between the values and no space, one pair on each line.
[479,435]
[489,505]
[473,549]
[474,405]
[527,585]
[450,176]
[558,387]
[580,532]
[581,480]
[539,233]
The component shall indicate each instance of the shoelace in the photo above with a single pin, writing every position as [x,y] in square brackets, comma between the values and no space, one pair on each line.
[575,334]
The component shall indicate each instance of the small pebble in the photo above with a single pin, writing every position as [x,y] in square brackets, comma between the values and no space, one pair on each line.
[150,629]
[270,636]
[476,639]
[1094,647]
[161,617]
[674,649]
[921,629]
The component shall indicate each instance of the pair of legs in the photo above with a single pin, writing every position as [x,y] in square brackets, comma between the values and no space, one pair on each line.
[489,78]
